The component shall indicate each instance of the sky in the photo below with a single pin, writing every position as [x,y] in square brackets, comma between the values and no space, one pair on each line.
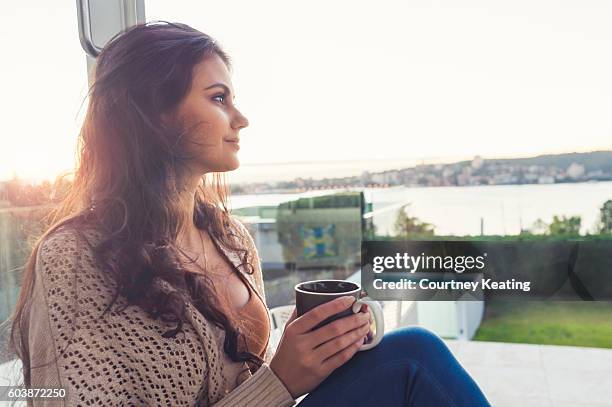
[364,82]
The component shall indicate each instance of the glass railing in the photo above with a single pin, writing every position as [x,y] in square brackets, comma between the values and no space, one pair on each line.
[307,238]
[300,237]
[319,237]
[18,226]
[311,236]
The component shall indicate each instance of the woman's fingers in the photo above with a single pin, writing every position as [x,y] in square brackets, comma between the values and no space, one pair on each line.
[309,320]
[329,348]
[338,359]
[338,328]
[303,359]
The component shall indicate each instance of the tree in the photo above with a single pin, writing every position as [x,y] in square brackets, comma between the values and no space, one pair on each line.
[605,217]
[565,226]
[539,227]
[406,225]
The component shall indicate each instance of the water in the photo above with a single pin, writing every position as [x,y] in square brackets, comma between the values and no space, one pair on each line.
[458,210]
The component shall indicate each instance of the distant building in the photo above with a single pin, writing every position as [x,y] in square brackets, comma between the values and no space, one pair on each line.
[378,178]
[366,177]
[387,177]
[505,178]
[477,162]
[575,170]
[546,179]
[448,171]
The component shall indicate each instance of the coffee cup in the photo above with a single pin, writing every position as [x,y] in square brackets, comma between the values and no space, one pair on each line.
[310,294]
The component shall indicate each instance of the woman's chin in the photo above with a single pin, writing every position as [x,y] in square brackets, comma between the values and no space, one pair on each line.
[230,166]
[234,164]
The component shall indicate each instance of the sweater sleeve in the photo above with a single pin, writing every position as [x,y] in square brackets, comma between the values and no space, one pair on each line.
[121,358]
[53,327]
[112,360]
[263,389]
[44,369]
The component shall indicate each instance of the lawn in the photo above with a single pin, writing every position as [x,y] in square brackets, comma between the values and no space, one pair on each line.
[551,323]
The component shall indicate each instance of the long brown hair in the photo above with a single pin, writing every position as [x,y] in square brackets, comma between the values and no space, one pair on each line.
[126,182]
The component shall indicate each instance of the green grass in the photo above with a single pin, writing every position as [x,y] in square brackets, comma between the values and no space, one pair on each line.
[551,323]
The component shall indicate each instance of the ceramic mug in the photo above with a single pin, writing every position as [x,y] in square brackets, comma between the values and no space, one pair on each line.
[310,294]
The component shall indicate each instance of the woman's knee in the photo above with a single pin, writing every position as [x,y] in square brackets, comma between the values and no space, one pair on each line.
[414,339]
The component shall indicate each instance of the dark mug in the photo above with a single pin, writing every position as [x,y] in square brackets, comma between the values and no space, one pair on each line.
[311,294]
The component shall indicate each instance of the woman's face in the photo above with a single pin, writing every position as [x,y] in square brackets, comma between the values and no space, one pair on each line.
[211,119]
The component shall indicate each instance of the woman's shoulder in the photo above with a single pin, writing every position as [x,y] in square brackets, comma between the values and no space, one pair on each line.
[67,253]
[67,240]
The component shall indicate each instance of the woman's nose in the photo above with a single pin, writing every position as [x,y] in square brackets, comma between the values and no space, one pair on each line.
[241,121]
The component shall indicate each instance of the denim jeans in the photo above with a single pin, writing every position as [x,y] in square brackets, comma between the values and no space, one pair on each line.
[411,366]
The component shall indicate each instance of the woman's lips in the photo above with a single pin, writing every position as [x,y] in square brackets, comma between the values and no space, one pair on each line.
[234,143]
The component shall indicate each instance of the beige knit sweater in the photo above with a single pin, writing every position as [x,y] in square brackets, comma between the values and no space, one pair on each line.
[123,359]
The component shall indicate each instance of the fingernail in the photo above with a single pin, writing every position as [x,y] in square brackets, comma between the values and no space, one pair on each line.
[348,300]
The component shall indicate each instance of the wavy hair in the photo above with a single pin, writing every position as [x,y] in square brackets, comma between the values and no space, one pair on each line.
[127,183]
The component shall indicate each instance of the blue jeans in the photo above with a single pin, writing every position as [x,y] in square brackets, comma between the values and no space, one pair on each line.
[410,367]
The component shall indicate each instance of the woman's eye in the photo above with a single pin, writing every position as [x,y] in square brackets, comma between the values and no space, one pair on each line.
[219,96]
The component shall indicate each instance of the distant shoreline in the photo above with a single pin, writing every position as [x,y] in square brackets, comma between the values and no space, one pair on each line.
[387,187]
[541,169]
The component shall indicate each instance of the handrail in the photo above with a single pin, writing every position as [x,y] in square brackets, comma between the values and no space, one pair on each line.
[85,35]
[131,12]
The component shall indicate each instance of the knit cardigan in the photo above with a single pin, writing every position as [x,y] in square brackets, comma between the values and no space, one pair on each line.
[123,359]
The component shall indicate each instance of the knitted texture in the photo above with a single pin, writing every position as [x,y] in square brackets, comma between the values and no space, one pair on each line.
[121,358]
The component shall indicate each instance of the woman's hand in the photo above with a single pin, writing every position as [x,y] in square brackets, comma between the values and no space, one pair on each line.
[304,358]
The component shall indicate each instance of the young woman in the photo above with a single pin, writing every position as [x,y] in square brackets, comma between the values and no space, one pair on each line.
[146,291]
